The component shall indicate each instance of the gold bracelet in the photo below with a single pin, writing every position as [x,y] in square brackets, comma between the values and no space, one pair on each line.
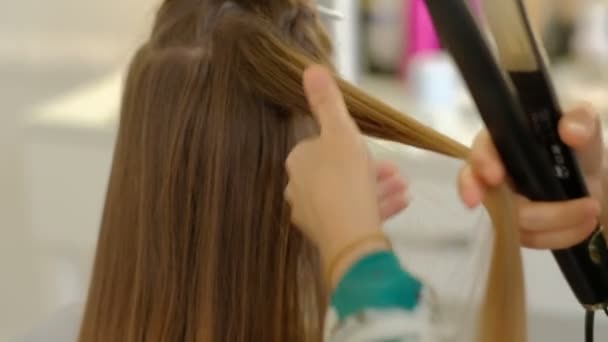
[346,250]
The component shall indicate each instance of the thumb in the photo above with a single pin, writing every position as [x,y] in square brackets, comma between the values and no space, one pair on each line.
[327,103]
[581,130]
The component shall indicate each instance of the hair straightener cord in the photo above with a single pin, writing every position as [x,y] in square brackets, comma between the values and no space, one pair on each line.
[589,319]
[589,322]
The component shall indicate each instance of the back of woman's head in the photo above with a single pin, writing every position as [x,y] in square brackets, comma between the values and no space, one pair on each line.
[195,243]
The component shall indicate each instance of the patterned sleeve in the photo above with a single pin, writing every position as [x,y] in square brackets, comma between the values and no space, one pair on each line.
[377,300]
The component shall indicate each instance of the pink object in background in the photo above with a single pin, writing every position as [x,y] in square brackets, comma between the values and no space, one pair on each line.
[422,38]
[421,34]
[476,5]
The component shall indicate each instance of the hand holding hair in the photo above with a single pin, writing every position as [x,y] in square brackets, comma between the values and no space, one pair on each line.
[546,225]
[332,182]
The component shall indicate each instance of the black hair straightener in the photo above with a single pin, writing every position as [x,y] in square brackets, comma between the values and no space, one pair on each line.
[517,102]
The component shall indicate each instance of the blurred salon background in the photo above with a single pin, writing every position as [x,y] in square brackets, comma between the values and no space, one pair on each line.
[61,67]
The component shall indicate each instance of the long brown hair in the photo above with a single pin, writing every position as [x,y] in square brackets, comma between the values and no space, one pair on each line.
[196,243]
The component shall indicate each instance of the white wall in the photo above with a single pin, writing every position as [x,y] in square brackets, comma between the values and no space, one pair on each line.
[346,38]
[47,48]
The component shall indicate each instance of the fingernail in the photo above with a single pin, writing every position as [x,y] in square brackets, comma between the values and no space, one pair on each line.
[473,198]
[579,128]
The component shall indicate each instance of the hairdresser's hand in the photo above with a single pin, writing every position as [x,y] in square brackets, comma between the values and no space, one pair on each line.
[391,190]
[332,182]
[545,225]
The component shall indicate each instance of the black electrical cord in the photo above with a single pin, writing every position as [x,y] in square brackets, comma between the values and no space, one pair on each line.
[589,318]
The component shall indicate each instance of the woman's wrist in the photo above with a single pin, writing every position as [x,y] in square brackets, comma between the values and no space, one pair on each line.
[376,282]
[338,258]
